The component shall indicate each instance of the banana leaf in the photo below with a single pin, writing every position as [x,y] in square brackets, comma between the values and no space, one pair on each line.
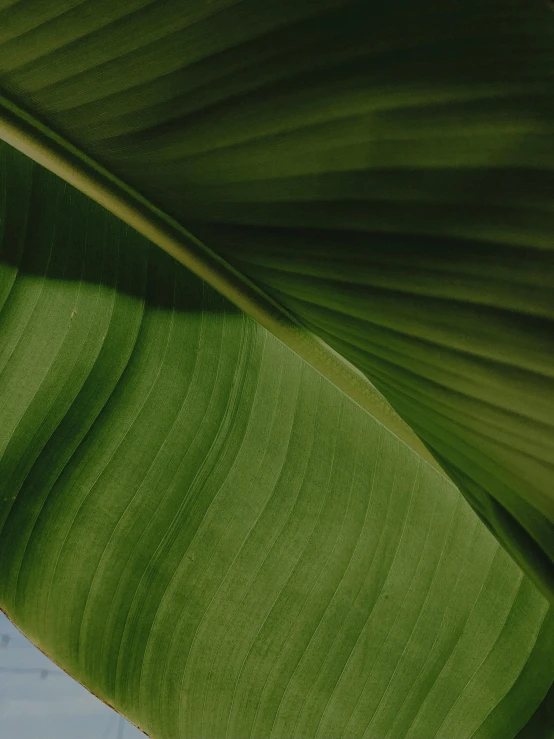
[227,527]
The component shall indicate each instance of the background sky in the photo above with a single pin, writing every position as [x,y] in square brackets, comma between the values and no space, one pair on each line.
[39,701]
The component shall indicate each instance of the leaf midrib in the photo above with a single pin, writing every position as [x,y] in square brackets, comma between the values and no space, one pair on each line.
[43,145]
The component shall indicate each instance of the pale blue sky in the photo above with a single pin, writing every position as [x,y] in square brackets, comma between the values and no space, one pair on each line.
[35,706]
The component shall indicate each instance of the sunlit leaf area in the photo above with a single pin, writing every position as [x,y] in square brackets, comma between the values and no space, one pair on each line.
[276,369]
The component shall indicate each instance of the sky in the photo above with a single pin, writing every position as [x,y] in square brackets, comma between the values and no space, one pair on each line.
[39,701]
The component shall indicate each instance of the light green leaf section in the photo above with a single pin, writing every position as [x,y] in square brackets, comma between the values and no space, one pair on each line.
[212,537]
[383,170]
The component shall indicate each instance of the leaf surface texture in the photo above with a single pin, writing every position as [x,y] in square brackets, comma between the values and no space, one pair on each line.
[212,537]
[382,170]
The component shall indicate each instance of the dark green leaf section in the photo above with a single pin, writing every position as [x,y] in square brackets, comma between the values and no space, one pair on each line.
[542,722]
[382,169]
[208,534]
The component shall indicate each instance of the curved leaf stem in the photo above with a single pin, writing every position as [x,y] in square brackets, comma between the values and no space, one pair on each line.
[50,150]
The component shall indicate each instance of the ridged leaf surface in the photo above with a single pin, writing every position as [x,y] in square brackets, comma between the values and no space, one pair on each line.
[383,169]
[208,534]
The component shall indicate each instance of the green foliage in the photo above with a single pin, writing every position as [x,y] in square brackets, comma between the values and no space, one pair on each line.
[197,524]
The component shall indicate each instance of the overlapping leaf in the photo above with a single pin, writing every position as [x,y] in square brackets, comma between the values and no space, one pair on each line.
[212,537]
[382,169]
[195,523]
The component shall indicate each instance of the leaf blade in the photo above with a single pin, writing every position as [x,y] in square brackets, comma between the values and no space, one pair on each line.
[386,139]
[200,517]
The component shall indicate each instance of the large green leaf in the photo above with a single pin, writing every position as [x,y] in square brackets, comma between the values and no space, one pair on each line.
[196,524]
[210,535]
[381,169]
